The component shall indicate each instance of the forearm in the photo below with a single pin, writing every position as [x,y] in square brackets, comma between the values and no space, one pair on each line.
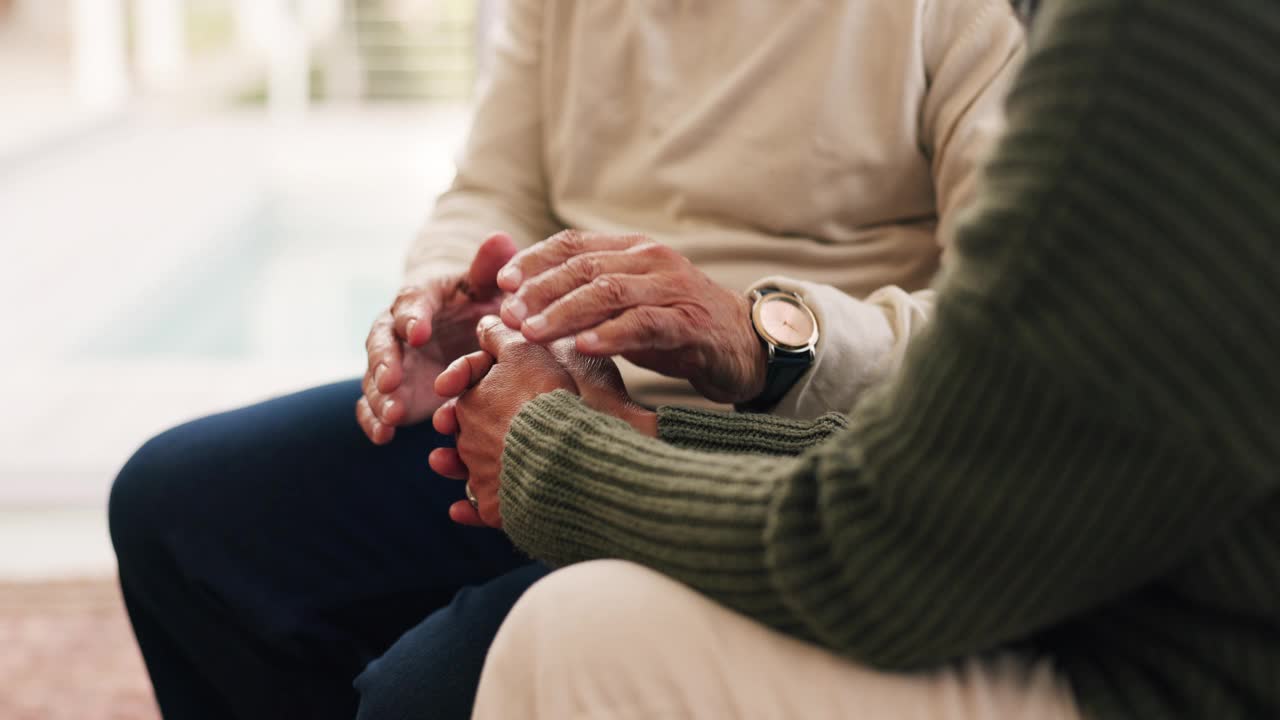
[715,504]
[969,504]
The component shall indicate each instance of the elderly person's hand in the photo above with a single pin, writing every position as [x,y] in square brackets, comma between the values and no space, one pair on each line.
[427,326]
[490,387]
[630,296]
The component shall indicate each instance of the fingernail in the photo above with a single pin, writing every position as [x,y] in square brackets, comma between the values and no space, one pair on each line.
[387,407]
[377,375]
[516,307]
[510,276]
[588,339]
[537,323]
[408,329]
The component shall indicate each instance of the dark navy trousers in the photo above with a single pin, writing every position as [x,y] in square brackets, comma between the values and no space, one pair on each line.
[276,564]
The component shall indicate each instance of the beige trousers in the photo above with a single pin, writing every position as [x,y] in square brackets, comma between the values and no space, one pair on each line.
[610,639]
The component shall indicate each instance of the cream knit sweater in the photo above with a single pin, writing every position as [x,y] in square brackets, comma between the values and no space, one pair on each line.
[829,144]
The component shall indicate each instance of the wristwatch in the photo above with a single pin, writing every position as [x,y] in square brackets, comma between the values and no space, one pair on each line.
[789,332]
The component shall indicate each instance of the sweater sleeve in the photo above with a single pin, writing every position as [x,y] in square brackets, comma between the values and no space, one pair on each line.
[500,183]
[716,431]
[1078,419]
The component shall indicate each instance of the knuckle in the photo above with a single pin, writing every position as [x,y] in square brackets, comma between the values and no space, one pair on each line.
[655,252]
[645,320]
[534,291]
[583,267]
[377,331]
[568,241]
[403,296]
[461,409]
[488,326]
[694,316]
[609,290]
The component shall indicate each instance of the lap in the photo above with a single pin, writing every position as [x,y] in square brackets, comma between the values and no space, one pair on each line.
[613,639]
[287,513]
[433,669]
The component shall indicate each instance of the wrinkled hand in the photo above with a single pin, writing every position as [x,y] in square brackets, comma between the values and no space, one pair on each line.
[491,385]
[630,296]
[425,328]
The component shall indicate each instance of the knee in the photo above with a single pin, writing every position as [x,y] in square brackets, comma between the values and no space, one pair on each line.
[593,610]
[387,692]
[142,497]
[590,640]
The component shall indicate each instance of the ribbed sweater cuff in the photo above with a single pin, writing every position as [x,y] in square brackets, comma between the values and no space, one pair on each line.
[715,431]
[579,485]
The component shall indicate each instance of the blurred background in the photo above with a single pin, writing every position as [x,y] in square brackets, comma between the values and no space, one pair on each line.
[202,203]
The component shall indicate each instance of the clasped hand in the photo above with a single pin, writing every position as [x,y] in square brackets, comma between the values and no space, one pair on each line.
[567,304]
[628,295]
[488,387]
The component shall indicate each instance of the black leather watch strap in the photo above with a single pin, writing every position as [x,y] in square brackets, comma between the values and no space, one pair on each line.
[784,369]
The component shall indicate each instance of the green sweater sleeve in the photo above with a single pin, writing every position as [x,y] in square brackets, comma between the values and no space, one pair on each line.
[1095,401]
[743,432]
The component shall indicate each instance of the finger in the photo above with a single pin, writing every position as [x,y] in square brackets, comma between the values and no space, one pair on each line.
[377,432]
[463,373]
[495,252]
[386,408]
[364,418]
[496,338]
[462,513]
[384,367]
[447,463]
[540,291]
[557,249]
[412,311]
[636,330]
[391,412]
[603,299]
[445,418]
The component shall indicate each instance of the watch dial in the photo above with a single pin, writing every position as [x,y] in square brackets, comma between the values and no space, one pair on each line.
[789,324]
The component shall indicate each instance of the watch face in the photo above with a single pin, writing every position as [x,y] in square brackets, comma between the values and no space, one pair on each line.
[786,322]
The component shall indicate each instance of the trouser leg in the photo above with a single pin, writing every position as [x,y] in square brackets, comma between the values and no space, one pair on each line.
[268,554]
[433,669]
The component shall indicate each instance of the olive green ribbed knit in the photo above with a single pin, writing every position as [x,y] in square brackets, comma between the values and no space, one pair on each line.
[1080,457]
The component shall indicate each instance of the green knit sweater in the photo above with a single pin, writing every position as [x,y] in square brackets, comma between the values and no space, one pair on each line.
[1080,456]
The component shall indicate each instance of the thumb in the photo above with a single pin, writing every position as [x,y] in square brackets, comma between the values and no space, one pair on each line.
[495,252]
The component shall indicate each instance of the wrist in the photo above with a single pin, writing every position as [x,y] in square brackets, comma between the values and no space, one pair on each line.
[754,354]
[644,420]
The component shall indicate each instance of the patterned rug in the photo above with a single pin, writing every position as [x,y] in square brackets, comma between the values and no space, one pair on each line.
[67,653]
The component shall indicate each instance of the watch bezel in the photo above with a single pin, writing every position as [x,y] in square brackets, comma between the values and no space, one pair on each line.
[792,299]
